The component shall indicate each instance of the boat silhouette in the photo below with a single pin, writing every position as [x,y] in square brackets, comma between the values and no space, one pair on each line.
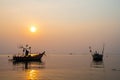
[27,55]
[96,55]
[35,57]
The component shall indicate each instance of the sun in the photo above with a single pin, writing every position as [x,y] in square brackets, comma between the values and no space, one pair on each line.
[33,29]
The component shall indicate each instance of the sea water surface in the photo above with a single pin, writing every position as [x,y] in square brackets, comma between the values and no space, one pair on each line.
[62,67]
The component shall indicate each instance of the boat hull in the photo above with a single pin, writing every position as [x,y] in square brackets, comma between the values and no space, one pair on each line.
[98,57]
[27,58]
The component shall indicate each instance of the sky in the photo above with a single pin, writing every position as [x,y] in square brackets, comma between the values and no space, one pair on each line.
[63,26]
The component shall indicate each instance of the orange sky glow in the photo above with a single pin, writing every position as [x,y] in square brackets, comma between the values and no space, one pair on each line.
[68,26]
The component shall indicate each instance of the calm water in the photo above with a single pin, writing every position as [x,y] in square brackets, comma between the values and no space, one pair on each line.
[62,67]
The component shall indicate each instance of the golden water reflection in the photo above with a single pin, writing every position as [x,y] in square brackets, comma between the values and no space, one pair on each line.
[33,74]
[32,70]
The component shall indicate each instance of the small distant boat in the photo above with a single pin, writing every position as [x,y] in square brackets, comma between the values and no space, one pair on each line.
[96,55]
[27,56]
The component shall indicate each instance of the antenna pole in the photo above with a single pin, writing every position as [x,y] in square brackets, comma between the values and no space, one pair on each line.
[103,49]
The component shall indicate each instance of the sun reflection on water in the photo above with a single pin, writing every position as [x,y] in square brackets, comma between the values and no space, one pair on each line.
[32,75]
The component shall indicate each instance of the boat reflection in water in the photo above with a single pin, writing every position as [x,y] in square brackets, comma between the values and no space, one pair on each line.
[97,70]
[97,64]
[29,65]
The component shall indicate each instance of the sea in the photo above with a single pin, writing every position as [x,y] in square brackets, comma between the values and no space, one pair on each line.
[61,67]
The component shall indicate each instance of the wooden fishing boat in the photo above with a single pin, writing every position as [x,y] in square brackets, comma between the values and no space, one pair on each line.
[95,55]
[27,56]
[35,57]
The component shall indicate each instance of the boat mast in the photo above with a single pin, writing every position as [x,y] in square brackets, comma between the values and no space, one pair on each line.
[103,49]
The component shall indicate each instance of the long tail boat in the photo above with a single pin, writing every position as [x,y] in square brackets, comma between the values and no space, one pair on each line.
[27,56]
[30,57]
